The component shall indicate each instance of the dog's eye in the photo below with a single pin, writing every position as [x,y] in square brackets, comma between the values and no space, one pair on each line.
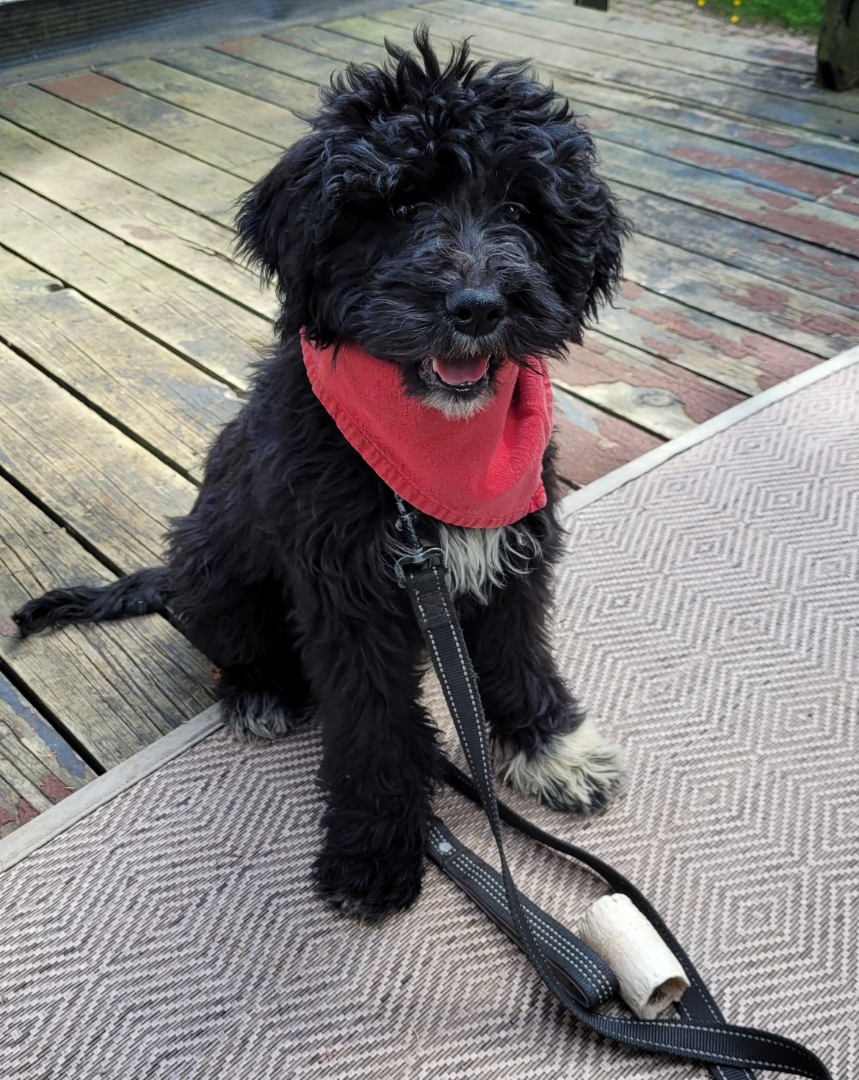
[511,212]
[404,211]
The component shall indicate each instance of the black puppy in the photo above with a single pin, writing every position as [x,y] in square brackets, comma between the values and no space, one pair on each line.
[434,216]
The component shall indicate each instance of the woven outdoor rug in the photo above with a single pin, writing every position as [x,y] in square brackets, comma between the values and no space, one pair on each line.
[707,614]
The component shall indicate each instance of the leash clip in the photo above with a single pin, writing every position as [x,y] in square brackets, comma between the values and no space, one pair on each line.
[417,560]
[419,556]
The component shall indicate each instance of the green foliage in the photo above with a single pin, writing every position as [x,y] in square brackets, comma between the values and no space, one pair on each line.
[794,14]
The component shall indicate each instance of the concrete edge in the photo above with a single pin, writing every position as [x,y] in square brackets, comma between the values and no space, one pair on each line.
[75,807]
[616,479]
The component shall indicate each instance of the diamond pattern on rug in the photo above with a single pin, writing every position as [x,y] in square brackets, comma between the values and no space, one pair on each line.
[708,615]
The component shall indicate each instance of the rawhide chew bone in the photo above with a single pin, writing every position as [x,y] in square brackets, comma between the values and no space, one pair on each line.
[648,973]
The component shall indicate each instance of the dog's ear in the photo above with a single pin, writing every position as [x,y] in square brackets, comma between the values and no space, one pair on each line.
[588,229]
[611,230]
[279,222]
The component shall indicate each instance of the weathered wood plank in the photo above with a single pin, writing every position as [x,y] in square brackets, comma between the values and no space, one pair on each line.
[760,78]
[660,397]
[219,145]
[752,247]
[686,87]
[689,183]
[106,488]
[591,442]
[753,165]
[808,323]
[661,409]
[225,69]
[846,199]
[659,33]
[616,122]
[833,154]
[803,267]
[228,107]
[795,216]
[166,403]
[117,686]
[698,186]
[765,171]
[770,308]
[37,766]
[273,52]
[331,44]
[143,219]
[722,351]
[741,377]
[180,313]
[711,94]
[773,256]
[208,191]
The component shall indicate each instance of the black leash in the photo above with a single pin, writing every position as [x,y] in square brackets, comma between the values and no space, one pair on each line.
[573,972]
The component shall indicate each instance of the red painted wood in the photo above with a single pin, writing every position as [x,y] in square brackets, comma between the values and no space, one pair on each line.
[591,442]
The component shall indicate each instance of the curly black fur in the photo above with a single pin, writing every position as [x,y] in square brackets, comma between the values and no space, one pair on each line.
[416,180]
[139,593]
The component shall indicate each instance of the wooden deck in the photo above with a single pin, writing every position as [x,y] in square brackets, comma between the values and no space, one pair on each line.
[126,329]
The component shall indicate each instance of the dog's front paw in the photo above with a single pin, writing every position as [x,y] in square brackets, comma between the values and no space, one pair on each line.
[367,889]
[253,716]
[577,771]
[366,879]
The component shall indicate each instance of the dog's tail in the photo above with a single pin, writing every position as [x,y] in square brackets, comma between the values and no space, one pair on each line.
[139,593]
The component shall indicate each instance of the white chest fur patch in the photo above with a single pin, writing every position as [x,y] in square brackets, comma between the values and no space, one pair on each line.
[479,558]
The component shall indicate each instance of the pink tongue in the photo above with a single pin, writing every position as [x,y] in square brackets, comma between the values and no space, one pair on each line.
[459,372]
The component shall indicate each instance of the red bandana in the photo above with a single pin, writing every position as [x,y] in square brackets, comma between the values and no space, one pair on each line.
[480,472]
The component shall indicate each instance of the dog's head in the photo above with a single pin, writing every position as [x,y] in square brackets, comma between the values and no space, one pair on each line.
[443,218]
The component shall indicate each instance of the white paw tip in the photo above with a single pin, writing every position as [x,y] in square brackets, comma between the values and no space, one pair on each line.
[577,771]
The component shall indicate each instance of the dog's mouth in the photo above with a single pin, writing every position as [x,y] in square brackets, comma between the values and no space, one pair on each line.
[462,374]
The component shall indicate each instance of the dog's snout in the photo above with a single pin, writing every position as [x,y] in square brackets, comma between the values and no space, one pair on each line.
[476,311]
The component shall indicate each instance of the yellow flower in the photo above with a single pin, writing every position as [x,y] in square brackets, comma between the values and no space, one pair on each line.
[701,3]
[735,18]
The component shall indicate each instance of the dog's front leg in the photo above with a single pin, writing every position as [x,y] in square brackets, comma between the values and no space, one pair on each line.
[547,748]
[379,757]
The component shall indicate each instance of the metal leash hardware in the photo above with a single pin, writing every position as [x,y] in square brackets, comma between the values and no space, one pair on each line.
[701,1034]
[418,554]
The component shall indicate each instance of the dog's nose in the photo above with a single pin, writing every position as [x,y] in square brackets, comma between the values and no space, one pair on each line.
[476,311]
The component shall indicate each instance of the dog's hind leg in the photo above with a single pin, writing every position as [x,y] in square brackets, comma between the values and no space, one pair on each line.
[268,698]
[244,629]
[261,686]
[548,749]
[232,602]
